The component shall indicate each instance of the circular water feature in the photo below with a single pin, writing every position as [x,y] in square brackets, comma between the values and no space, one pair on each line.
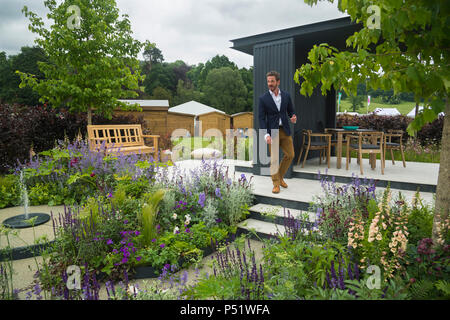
[21,221]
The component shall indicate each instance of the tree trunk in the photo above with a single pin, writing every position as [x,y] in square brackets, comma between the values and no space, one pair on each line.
[89,116]
[443,186]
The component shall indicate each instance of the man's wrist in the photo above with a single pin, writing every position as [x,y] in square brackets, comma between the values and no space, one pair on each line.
[267,135]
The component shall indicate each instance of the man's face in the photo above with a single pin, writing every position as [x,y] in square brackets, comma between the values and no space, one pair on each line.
[272,83]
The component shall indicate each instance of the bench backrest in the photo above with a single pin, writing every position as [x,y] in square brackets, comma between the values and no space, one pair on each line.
[120,135]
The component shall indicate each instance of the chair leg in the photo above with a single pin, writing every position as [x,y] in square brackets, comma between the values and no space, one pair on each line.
[328,156]
[300,155]
[348,154]
[403,156]
[360,162]
[392,155]
[306,156]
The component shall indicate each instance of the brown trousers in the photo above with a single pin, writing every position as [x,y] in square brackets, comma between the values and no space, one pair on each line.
[286,144]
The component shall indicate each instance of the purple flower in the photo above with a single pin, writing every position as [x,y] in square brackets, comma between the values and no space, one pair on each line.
[153,240]
[124,260]
[167,266]
[115,251]
[188,230]
[110,195]
[109,241]
[137,233]
[138,258]
[201,199]
[218,220]
[162,245]
[218,194]
[125,221]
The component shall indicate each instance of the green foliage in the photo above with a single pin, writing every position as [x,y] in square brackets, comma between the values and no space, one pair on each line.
[423,289]
[225,90]
[152,56]
[186,92]
[89,67]
[160,93]
[147,218]
[356,102]
[9,191]
[412,58]
[420,220]
[300,264]
[444,287]
[25,61]
[393,290]
[199,74]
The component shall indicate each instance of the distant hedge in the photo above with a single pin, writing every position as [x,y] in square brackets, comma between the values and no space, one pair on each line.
[430,133]
[39,126]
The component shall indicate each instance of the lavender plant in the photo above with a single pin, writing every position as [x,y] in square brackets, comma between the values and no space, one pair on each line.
[237,275]
[339,204]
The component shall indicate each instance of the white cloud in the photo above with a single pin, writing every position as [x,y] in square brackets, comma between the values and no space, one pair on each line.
[188,30]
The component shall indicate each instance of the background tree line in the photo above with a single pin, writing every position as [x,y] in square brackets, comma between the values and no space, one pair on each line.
[218,82]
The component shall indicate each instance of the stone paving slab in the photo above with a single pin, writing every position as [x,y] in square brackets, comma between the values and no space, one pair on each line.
[26,236]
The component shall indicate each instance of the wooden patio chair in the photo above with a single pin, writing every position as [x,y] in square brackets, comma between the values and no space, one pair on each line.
[391,145]
[366,142]
[334,140]
[310,143]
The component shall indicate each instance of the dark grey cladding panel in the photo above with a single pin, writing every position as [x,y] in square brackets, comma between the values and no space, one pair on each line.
[276,55]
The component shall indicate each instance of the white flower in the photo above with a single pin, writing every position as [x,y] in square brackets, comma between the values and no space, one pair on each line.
[174,216]
[176,230]
[132,289]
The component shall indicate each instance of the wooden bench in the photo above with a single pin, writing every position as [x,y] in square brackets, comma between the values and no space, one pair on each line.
[126,138]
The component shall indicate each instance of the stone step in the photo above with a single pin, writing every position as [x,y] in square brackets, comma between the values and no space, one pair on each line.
[301,192]
[278,214]
[263,229]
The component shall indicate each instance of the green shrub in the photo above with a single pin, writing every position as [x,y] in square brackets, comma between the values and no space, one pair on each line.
[420,220]
[10,194]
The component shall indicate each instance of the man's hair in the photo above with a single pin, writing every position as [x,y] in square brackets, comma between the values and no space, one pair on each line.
[273,74]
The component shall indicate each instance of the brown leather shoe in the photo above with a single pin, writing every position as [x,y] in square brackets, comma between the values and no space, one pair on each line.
[283,184]
[276,189]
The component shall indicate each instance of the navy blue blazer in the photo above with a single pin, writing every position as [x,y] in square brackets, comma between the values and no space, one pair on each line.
[269,116]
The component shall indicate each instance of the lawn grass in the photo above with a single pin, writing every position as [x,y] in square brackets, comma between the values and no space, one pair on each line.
[403,107]
[189,144]
[431,157]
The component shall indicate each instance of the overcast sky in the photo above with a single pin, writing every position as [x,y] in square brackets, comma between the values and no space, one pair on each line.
[190,30]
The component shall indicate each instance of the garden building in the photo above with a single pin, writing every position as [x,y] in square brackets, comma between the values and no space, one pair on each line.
[242,120]
[285,51]
[206,117]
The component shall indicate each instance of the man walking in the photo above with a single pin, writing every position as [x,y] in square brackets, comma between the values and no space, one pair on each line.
[275,110]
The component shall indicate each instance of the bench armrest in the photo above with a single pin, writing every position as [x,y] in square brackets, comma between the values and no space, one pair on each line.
[150,136]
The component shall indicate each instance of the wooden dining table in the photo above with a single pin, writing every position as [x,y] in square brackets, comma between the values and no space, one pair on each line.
[340,132]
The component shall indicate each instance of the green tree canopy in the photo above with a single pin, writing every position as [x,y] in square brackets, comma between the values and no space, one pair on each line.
[186,92]
[225,90]
[199,75]
[26,61]
[161,75]
[408,52]
[92,56]
[152,55]
[160,93]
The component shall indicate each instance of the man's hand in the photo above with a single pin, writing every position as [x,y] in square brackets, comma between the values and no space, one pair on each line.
[294,119]
[268,140]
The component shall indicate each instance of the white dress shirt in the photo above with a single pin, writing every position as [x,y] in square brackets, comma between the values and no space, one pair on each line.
[277,100]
